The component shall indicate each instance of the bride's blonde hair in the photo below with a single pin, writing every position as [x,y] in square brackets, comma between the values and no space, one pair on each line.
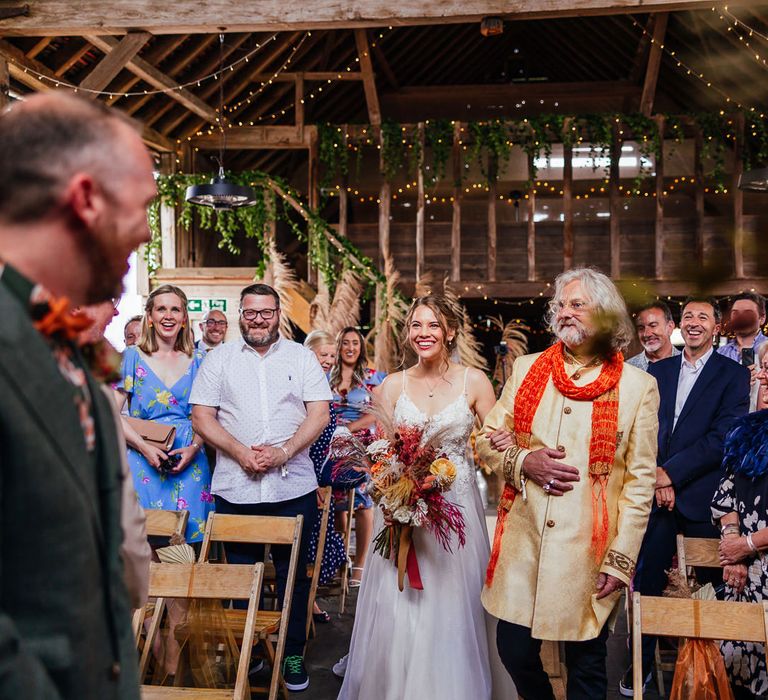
[446,318]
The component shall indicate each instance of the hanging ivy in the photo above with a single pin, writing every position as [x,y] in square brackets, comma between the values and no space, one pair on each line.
[490,140]
[645,132]
[392,155]
[438,138]
[715,130]
[333,153]
[755,152]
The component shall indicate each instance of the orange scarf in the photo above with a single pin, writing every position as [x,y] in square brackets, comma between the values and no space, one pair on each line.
[604,393]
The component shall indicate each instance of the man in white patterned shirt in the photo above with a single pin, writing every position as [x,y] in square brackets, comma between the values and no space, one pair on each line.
[261,402]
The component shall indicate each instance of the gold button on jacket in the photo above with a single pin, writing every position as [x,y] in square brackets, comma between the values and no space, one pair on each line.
[545,576]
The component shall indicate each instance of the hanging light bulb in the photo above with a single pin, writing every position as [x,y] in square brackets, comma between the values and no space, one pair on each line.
[220,194]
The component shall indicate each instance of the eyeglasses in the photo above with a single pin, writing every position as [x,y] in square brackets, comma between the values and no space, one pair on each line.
[253,314]
[576,307]
[210,323]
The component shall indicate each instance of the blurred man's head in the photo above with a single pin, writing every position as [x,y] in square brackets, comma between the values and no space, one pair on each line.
[79,172]
[132,331]
[746,315]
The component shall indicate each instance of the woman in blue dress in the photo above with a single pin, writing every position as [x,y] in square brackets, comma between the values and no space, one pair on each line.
[352,383]
[157,376]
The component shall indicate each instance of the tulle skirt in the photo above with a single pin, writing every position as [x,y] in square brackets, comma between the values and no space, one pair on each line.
[437,643]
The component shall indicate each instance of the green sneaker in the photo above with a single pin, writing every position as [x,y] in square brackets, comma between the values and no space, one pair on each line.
[295,673]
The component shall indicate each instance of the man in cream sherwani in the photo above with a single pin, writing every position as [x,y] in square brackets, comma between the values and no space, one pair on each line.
[574,434]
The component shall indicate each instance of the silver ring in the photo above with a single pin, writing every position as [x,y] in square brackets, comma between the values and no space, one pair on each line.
[547,487]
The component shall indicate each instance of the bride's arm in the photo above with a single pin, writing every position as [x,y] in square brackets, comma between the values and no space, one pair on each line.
[480,394]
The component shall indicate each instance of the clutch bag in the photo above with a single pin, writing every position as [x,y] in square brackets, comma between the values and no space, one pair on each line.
[157,434]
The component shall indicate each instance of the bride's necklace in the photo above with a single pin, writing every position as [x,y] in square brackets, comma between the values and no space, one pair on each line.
[430,388]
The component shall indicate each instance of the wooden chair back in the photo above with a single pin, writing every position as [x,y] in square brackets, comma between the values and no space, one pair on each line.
[166,523]
[209,582]
[265,530]
[694,619]
[326,494]
[697,551]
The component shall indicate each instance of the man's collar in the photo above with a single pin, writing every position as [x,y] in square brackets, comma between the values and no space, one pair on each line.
[272,348]
[698,364]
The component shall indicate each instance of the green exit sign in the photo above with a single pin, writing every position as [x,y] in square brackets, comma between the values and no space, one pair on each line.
[197,306]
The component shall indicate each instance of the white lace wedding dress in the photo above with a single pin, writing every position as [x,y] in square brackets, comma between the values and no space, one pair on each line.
[437,643]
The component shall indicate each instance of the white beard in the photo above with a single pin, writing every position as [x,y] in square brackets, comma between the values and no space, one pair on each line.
[571,335]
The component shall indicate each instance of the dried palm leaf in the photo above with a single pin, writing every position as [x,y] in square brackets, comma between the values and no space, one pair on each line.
[320,311]
[345,309]
[425,285]
[280,275]
[513,335]
[469,349]
[392,310]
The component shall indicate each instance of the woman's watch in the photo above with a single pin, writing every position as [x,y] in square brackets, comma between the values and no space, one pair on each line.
[197,445]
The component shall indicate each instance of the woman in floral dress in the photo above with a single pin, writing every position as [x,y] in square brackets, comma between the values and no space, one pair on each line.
[157,376]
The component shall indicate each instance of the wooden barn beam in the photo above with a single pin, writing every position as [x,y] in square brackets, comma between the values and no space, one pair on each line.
[614,205]
[114,61]
[456,214]
[420,204]
[698,174]
[157,79]
[56,18]
[17,62]
[567,197]
[531,228]
[738,198]
[493,172]
[369,81]
[39,46]
[658,228]
[255,137]
[654,63]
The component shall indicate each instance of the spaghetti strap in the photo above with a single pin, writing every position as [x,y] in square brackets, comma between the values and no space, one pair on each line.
[403,389]
[466,371]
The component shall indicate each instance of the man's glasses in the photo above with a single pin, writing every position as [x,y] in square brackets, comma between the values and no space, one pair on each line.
[210,323]
[253,314]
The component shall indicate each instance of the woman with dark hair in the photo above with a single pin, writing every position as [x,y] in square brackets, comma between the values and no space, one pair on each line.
[157,376]
[437,642]
[353,383]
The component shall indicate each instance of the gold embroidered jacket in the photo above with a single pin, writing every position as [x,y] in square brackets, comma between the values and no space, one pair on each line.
[546,572]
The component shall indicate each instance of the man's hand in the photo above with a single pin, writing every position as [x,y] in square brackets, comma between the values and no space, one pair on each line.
[732,550]
[662,478]
[543,468]
[501,439]
[665,497]
[607,584]
[249,462]
[268,457]
[735,576]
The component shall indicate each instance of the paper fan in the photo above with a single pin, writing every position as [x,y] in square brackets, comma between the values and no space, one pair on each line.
[176,554]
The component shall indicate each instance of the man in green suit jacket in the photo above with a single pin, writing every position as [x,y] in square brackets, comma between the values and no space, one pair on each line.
[76,180]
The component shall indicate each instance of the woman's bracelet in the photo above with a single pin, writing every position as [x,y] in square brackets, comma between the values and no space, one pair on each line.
[287,454]
[751,544]
[729,529]
[197,445]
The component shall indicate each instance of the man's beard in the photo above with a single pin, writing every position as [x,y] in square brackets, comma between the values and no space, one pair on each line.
[652,345]
[270,337]
[572,335]
[107,270]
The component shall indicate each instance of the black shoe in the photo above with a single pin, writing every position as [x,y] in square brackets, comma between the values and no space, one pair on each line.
[257,666]
[295,674]
[625,684]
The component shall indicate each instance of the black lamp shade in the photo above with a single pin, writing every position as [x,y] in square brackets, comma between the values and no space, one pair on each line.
[221,195]
[754,180]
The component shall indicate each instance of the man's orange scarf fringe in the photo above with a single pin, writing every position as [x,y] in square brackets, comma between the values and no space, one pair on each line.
[604,393]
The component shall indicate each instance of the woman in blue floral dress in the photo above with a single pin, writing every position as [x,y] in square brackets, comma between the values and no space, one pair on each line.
[157,376]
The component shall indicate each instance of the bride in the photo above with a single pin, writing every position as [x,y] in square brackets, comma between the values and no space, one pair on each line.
[437,642]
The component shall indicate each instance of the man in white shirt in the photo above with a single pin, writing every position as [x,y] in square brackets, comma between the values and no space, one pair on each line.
[702,394]
[214,330]
[261,402]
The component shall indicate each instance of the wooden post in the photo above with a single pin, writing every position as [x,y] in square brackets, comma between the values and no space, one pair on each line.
[654,63]
[738,198]
[313,199]
[615,204]
[567,195]
[493,172]
[698,173]
[168,217]
[658,229]
[385,204]
[420,204]
[270,230]
[457,192]
[344,195]
[531,243]
[299,104]
[5,83]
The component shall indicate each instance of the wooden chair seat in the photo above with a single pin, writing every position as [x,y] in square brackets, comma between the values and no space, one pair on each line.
[157,692]
[267,623]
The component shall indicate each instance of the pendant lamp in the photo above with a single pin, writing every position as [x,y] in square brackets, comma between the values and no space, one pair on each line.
[220,194]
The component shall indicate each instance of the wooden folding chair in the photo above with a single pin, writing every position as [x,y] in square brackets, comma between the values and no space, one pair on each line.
[694,619]
[341,586]
[211,582]
[166,523]
[697,551]
[264,530]
[313,569]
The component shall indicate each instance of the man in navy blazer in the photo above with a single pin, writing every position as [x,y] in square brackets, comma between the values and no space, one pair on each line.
[702,394]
